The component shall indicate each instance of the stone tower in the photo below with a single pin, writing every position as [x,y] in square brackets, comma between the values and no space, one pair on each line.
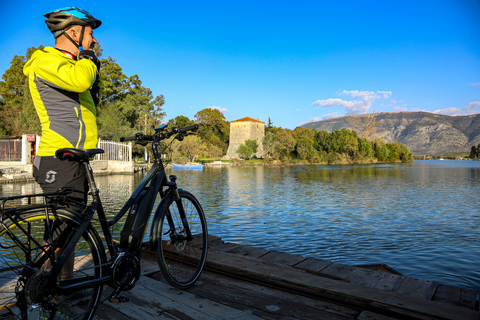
[246,129]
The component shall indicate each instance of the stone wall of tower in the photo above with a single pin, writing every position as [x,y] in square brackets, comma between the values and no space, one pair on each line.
[246,129]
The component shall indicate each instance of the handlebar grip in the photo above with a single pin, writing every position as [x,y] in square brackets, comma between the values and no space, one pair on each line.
[193,127]
[122,139]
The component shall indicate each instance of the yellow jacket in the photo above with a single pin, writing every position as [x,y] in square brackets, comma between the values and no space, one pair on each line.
[60,89]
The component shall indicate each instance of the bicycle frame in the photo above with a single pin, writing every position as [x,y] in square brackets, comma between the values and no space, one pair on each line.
[138,206]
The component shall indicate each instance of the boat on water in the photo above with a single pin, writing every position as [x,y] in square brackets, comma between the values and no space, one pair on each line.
[191,166]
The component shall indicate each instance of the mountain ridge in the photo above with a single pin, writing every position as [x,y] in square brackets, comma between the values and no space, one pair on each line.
[424,133]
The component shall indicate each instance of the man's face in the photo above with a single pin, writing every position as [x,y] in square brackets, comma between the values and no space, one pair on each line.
[88,40]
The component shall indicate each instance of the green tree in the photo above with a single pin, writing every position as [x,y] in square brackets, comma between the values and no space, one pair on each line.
[473,153]
[214,129]
[380,149]
[126,106]
[180,121]
[269,144]
[365,148]
[247,149]
[191,147]
[305,150]
[252,144]
[17,112]
[323,141]
[269,125]
[286,143]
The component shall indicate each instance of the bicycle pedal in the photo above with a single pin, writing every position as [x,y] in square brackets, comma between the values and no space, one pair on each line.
[119,299]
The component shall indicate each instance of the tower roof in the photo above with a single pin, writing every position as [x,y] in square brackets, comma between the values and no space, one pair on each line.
[247,119]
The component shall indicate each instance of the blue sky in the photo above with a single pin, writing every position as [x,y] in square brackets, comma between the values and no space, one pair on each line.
[293,61]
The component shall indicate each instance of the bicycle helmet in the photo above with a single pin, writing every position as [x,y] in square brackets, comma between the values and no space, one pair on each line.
[61,19]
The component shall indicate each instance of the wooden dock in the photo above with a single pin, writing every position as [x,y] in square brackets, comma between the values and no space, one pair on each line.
[242,282]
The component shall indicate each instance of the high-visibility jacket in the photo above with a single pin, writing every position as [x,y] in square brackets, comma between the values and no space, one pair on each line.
[60,87]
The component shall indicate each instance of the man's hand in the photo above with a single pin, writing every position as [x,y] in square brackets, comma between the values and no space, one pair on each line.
[88,54]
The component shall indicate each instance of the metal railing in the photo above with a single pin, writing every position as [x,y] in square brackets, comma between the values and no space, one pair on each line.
[116,151]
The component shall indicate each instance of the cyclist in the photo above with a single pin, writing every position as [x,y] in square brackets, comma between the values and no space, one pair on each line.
[65,86]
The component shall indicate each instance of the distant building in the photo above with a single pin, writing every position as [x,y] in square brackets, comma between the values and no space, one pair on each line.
[246,129]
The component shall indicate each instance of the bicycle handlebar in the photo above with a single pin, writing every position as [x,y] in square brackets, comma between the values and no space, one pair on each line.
[141,138]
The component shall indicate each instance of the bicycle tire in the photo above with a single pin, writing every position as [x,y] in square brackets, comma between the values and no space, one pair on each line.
[24,293]
[181,261]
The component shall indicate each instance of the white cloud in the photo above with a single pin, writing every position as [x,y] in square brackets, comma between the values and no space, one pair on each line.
[366,98]
[222,110]
[476,84]
[327,116]
[467,110]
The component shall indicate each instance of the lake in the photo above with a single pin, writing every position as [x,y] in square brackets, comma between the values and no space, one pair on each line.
[422,218]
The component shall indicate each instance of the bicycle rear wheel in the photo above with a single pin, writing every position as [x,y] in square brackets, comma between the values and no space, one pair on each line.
[27,256]
[181,259]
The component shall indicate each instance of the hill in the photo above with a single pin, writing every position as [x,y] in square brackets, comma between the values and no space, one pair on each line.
[423,132]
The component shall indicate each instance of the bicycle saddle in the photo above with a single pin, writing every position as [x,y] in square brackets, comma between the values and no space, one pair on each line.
[76,154]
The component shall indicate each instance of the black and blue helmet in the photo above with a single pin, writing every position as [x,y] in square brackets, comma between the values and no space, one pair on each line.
[59,20]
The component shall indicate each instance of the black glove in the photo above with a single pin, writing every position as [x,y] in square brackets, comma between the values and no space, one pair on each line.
[88,54]
[95,91]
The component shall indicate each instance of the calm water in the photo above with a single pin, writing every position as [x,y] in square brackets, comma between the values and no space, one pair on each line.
[422,219]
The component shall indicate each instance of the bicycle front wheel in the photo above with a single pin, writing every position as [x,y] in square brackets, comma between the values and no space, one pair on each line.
[182,239]
[29,252]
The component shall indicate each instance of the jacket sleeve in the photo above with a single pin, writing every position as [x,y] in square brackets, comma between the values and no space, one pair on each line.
[71,75]
[97,90]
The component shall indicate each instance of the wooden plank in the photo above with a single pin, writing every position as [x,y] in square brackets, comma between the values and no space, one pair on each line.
[416,288]
[248,251]
[151,299]
[283,258]
[284,275]
[366,277]
[225,247]
[313,264]
[379,267]
[264,301]
[389,282]
[457,296]
[399,313]
[214,241]
[369,315]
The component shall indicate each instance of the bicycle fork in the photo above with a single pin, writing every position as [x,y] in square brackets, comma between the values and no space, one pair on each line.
[181,210]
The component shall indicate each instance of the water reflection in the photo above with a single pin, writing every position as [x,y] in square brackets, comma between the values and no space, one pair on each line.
[421,219]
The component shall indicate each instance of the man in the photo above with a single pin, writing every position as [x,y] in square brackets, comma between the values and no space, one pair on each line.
[65,86]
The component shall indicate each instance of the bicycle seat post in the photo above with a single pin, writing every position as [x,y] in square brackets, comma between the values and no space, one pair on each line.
[91,180]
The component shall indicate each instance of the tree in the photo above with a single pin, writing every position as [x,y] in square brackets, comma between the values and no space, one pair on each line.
[246,150]
[269,126]
[364,124]
[324,141]
[252,144]
[214,129]
[304,149]
[126,106]
[180,121]
[286,143]
[269,144]
[473,153]
[365,148]
[17,112]
[381,150]
[191,147]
